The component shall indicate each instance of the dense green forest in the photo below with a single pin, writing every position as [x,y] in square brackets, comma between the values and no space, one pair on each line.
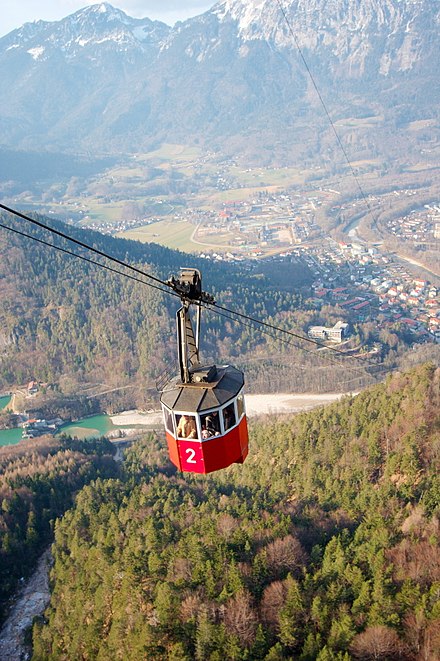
[37,483]
[68,322]
[323,545]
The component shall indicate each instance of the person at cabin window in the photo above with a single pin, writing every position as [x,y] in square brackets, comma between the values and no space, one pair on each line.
[229,416]
[187,427]
[212,424]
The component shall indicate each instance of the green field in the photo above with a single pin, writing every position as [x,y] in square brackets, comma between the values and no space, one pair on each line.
[103,213]
[172,152]
[359,122]
[172,234]
[258,178]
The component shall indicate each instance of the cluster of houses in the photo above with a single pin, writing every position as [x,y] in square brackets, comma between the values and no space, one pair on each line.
[35,427]
[375,287]
[419,226]
[251,227]
[32,427]
[413,302]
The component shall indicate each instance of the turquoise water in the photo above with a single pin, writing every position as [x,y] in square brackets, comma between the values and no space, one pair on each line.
[97,425]
[4,401]
[93,427]
[10,436]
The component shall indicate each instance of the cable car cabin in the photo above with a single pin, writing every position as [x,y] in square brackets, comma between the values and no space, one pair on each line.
[203,409]
[205,422]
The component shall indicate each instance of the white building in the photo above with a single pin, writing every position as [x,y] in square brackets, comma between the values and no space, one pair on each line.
[335,334]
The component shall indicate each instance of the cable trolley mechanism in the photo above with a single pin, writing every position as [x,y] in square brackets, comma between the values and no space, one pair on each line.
[203,406]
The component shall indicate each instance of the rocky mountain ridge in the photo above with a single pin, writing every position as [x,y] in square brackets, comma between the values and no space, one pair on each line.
[94,26]
[101,80]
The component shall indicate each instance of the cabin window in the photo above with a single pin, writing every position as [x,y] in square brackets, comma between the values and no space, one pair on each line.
[186,426]
[240,405]
[210,424]
[229,416]
[168,420]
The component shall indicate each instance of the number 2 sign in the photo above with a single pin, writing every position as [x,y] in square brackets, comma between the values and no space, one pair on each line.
[191,456]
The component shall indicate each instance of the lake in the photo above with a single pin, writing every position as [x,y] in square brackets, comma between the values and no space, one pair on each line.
[93,427]
[10,436]
[4,401]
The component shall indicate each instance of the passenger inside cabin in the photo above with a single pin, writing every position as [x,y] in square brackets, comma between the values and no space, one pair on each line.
[187,427]
[229,416]
[210,425]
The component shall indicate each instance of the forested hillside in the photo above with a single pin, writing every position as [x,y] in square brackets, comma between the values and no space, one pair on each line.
[38,481]
[63,317]
[323,545]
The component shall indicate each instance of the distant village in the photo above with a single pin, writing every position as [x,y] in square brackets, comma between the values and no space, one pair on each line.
[34,427]
[369,285]
[420,226]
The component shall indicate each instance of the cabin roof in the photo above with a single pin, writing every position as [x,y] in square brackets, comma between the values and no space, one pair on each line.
[203,396]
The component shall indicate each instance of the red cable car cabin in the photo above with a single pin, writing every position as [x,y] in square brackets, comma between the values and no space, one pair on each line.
[203,410]
[205,422]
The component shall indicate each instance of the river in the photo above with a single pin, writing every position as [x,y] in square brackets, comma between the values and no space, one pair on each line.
[93,427]
[10,436]
[30,601]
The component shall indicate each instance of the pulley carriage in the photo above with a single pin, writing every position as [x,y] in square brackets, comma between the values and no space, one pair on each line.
[203,408]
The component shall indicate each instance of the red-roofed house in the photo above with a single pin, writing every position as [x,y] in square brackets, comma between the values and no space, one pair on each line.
[32,387]
[320,293]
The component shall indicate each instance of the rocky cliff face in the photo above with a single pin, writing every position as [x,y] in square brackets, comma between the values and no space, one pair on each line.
[350,31]
[100,79]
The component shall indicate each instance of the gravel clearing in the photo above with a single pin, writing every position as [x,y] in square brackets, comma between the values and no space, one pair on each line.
[31,600]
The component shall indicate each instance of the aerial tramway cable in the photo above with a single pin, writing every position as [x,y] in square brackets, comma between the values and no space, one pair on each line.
[167,289]
[85,259]
[81,243]
[296,345]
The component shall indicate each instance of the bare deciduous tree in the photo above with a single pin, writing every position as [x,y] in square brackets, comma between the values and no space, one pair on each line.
[377,642]
[272,601]
[240,617]
[190,607]
[285,554]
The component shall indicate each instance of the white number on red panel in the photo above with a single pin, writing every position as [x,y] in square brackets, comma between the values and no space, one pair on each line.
[191,454]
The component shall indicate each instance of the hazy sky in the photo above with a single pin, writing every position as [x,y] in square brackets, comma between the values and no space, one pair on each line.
[13,13]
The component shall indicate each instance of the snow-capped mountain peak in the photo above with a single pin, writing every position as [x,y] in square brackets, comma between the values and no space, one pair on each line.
[87,28]
[255,18]
[119,81]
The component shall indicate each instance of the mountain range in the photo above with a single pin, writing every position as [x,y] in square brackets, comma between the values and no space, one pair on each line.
[247,75]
